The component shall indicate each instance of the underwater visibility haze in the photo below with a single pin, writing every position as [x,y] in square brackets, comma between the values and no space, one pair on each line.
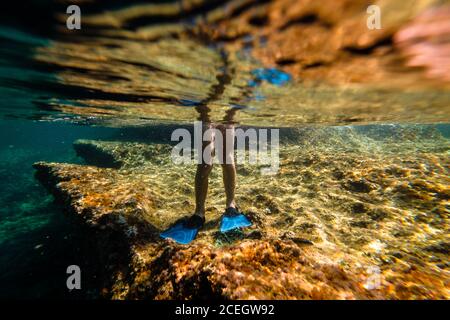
[359,206]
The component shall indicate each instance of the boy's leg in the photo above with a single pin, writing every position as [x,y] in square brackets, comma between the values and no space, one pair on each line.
[186,229]
[201,187]
[202,174]
[228,164]
[229,182]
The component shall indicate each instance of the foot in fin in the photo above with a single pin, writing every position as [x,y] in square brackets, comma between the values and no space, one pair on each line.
[233,219]
[185,230]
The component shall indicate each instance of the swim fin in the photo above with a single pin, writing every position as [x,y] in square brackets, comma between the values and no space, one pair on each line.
[185,230]
[233,219]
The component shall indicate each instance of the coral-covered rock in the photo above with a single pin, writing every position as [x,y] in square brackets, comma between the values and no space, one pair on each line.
[342,219]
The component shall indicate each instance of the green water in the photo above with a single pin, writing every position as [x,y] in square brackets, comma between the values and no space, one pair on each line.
[37,238]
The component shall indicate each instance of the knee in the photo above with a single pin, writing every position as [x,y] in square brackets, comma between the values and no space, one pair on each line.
[205,168]
[227,166]
[228,159]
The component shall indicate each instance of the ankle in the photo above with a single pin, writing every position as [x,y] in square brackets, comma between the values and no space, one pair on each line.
[200,213]
[231,205]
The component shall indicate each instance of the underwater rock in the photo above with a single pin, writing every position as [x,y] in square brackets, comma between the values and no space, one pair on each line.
[143,266]
[94,155]
[318,247]
[360,186]
[442,247]
[360,224]
[359,207]
[377,214]
[113,155]
[284,272]
[289,235]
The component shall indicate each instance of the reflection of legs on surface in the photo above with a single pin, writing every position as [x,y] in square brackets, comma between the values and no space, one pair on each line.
[228,119]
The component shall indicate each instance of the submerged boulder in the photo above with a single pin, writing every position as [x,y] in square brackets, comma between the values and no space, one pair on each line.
[316,245]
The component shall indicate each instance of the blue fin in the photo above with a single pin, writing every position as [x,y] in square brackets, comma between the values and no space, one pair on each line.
[271,75]
[180,233]
[230,222]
